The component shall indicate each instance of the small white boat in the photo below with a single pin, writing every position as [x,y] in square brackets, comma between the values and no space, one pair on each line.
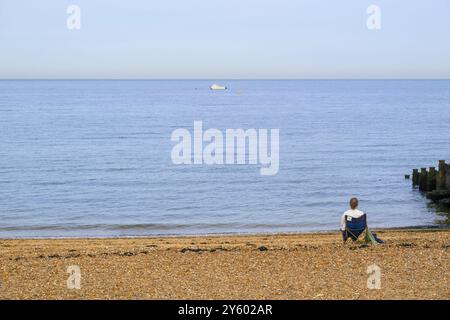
[216,86]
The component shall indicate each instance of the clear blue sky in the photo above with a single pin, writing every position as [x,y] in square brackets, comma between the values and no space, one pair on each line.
[225,39]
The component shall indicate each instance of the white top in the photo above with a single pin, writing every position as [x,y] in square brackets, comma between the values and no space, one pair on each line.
[350,213]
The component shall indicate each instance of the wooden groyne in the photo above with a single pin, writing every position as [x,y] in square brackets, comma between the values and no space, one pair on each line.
[435,184]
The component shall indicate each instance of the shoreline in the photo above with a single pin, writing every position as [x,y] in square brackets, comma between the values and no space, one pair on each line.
[228,234]
[414,264]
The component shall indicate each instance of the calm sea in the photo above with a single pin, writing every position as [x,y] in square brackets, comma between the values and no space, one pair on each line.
[92,158]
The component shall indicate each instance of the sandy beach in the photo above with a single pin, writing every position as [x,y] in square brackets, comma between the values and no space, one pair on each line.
[414,264]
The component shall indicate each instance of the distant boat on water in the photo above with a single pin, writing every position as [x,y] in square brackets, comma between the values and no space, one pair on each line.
[216,86]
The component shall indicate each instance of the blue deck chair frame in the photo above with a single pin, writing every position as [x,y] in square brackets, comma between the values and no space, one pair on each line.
[354,227]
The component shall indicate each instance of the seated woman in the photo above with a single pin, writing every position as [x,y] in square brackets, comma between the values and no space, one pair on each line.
[354,223]
[356,218]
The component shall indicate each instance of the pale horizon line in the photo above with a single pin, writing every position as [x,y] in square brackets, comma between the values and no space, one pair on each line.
[224,79]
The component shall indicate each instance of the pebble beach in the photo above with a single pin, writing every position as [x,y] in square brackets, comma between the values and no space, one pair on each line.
[413,264]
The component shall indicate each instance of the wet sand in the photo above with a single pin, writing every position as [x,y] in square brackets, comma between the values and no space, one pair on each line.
[414,264]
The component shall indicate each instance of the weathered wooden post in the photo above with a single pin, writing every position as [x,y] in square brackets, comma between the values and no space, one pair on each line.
[423,179]
[441,177]
[415,177]
[447,176]
[431,179]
